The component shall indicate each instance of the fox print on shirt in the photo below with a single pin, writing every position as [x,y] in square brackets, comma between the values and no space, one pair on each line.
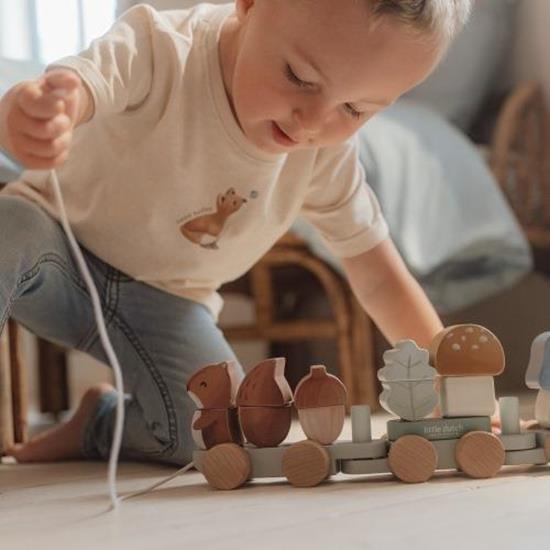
[201,229]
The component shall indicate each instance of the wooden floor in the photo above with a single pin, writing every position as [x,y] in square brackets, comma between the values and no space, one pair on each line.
[65,506]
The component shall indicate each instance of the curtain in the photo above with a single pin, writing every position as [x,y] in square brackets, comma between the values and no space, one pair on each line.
[45,30]
[123,5]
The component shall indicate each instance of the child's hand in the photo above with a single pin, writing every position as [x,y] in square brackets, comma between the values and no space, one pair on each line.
[40,119]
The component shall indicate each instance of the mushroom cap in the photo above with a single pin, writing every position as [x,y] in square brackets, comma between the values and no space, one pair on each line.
[467,350]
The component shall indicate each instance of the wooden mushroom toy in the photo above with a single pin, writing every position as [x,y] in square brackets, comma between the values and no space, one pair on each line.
[213,389]
[264,401]
[467,357]
[320,399]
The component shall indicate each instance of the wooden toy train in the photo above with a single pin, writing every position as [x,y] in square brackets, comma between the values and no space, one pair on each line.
[465,359]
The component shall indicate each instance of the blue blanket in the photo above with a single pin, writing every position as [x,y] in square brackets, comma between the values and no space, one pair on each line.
[446,213]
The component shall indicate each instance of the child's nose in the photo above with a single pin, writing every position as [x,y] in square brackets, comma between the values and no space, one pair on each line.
[311,116]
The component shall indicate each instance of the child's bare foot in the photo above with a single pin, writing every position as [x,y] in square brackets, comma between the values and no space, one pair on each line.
[62,442]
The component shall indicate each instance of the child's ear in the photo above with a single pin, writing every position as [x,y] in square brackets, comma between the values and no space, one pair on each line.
[242,8]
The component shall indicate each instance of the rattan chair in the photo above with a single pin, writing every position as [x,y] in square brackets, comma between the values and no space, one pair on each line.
[516,158]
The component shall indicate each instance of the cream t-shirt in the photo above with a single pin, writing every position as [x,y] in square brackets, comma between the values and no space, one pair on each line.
[162,183]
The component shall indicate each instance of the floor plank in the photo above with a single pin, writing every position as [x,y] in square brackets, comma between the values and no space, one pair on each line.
[63,505]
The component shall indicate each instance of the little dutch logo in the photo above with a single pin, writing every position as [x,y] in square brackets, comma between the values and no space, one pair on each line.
[444,429]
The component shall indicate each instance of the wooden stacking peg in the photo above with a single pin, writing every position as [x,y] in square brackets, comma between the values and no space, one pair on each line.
[412,459]
[226,466]
[480,454]
[306,464]
[509,415]
[320,399]
[361,431]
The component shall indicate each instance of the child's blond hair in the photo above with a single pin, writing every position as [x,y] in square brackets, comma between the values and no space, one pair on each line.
[442,19]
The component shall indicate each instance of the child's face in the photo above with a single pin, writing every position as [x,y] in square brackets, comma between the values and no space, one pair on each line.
[352,73]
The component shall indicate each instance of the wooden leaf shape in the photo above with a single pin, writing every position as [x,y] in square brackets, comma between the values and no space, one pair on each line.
[408,382]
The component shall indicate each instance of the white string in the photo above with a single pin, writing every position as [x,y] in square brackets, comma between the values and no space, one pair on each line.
[159,483]
[100,320]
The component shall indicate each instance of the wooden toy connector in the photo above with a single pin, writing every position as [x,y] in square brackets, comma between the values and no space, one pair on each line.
[463,358]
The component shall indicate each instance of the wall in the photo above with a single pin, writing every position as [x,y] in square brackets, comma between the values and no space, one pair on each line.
[530,59]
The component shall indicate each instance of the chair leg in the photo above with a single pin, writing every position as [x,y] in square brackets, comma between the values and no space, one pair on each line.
[18,384]
[53,378]
[6,409]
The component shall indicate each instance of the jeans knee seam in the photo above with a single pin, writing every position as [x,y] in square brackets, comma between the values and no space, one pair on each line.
[57,261]
[159,381]
[155,375]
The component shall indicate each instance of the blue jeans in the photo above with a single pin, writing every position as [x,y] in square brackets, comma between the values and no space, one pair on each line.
[160,339]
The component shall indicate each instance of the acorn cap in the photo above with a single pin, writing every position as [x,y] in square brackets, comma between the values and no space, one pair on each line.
[319,389]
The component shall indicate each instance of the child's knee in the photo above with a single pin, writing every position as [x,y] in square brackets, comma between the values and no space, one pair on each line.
[22,222]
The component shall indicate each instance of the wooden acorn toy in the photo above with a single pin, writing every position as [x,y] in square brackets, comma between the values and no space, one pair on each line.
[213,389]
[320,399]
[264,401]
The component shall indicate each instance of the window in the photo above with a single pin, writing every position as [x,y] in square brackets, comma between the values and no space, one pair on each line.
[45,30]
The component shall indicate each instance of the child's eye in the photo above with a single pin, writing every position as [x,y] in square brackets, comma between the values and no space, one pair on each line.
[353,111]
[294,79]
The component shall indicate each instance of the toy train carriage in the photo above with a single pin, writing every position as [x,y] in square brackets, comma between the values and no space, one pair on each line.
[466,357]
[417,452]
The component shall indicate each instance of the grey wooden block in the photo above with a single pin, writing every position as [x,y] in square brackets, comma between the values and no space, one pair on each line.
[438,428]
[531,456]
[445,453]
[266,461]
[518,441]
[347,450]
[361,467]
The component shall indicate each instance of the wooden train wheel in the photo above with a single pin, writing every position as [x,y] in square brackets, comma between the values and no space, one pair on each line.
[226,466]
[306,464]
[480,454]
[412,459]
